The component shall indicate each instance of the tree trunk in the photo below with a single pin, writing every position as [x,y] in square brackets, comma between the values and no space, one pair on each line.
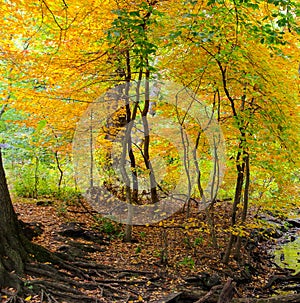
[12,251]
[15,248]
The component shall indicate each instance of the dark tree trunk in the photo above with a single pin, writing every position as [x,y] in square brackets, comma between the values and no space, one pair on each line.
[15,248]
[12,251]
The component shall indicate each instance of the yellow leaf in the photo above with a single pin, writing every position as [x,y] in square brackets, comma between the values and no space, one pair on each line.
[28,298]
[160,223]
[141,299]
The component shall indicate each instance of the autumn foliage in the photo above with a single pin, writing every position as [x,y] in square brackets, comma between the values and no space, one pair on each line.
[239,57]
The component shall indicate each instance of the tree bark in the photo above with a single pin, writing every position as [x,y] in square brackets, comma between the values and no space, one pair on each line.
[15,248]
[12,251]
[227,292]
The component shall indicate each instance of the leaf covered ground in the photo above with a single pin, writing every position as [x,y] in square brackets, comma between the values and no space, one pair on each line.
[174,255]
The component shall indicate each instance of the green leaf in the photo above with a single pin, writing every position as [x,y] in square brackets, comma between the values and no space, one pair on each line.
[210,2]
[41,125]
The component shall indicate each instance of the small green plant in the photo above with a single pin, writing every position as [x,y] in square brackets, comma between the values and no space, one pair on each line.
[188,261]
[28,285]
[62,208]
[108,226]
[143,234]
[187,242]
[198,241]
[156,253]
[287,225]
[68,194]
[138,249]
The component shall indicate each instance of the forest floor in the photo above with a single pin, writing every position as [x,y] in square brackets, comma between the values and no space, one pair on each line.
[174,256]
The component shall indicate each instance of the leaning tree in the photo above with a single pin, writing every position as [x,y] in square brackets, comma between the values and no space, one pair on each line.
[15,249]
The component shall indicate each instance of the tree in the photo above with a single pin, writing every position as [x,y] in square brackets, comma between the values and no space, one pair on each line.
[15,249]
[233,43]
[12,251]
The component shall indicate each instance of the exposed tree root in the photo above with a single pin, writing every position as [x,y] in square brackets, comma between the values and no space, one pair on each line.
[283,278]
[15,299]
[64,281]
[54,277]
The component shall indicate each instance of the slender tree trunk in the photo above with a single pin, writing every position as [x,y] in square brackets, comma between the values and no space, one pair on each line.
[91,152]
[186,162]
[61,173]
[237,199]
[127,147]
[245,204]
[126,180]
[36,177]
[153,185]
[196,163]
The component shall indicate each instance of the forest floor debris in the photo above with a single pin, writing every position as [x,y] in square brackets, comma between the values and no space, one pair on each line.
[165,259]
